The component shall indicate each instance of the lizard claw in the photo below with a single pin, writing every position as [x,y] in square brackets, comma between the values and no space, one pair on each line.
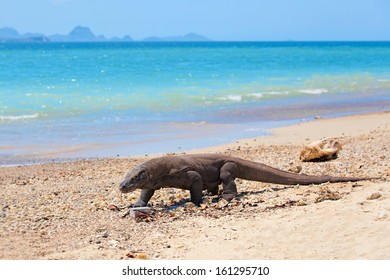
[229,196]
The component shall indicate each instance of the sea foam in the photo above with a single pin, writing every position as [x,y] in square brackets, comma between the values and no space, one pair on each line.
[313,91]
[20,117]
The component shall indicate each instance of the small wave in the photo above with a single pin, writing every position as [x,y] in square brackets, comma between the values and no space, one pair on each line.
[257,95]
[21,117]
[268,93]
[313,91]
[277,92]
[236,98]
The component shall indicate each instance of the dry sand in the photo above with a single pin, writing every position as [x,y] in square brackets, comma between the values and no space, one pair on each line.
[73,210]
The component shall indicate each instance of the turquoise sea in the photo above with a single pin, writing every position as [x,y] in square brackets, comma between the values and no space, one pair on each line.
[71,100]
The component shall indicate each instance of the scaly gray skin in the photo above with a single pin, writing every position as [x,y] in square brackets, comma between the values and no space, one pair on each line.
[206,172]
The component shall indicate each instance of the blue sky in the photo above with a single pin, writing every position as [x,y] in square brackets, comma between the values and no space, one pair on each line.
[216,19]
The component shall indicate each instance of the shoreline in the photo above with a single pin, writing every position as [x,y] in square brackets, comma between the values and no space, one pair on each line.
[302,133]
[267,135]
[45,206]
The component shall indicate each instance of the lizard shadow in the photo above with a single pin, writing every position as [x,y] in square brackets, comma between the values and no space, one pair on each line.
[241,195]
[216,198]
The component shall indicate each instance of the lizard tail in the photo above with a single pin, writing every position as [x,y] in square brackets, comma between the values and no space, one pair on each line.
[263,173]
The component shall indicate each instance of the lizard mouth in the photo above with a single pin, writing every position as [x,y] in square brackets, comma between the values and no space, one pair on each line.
[124,188]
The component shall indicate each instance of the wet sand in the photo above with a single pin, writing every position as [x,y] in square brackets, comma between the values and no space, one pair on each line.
[73,210]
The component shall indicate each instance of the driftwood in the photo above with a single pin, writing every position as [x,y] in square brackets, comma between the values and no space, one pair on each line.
[321,150]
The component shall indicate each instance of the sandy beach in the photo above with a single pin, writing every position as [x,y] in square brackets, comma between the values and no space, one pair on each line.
[73,210]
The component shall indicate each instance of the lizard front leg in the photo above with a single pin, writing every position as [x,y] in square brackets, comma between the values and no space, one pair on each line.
[146,195]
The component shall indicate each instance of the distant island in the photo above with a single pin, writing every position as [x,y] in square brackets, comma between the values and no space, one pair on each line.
[9,34]
[190,37]
[84,34]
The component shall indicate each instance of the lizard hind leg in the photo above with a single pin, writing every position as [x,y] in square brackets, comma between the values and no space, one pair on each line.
[213,190]
[195,187]
[228,175]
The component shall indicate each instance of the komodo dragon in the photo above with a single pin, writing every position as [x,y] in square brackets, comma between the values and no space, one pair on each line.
[206,172]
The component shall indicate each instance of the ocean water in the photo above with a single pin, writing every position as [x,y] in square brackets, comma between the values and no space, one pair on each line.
[108,99]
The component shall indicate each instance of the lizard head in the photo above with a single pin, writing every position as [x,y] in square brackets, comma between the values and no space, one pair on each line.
[135,179]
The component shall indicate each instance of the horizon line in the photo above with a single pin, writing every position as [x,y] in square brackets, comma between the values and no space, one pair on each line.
[205,41]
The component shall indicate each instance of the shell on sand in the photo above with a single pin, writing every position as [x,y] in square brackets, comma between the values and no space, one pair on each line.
[321,150]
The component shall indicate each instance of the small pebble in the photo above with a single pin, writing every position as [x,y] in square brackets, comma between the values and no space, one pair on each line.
[373,196]
[189,205]
[113,243]
[301,203]
[381,215]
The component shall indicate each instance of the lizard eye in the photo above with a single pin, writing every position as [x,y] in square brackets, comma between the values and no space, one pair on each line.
[142,175]
[139,176]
